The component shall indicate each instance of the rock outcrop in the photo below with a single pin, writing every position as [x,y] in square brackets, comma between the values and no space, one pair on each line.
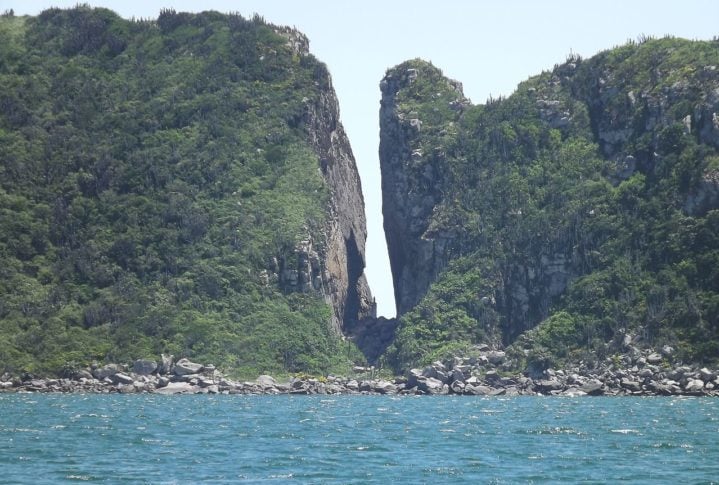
[413,182]
[344,282]
[485,373]
[333,267]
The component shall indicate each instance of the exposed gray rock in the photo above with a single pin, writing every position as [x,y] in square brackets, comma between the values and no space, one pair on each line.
[336,269]
[630,384]
[384,387]
[457,375]
[548,385]
[178,388]
[694,385]
[144,367]
[706,375]
[496,357]
[266,381]
[431,385]
[593,387]
[83,374]
[106,371]
[654,358]
[457,387]
[184,367]
[122,378]
[166,364]
[477,390]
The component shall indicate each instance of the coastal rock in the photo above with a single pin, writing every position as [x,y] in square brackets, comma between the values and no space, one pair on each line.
[384,387]
[121,378]
[177,388]
[496,357]
[472,390]
[630,384]
[106,371]
[593,387]
[266,381]
[430,385]
[166,364]
[548,385]
[184,367]
[457,387]
[694,385]
[706,375]
[83,374]
[144,367]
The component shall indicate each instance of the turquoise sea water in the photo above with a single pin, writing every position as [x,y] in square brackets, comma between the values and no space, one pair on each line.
[356,439]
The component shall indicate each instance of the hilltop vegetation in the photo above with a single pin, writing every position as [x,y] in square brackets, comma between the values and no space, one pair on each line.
[153,175]
[574,216]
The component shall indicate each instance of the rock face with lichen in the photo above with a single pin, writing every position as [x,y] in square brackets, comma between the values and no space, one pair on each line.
[555,221]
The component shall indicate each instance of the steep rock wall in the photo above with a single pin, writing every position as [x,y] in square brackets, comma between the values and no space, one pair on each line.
[344,284]
[412,186]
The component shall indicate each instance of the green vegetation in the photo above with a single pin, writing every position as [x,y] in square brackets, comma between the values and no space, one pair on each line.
[149,172]
[571,205]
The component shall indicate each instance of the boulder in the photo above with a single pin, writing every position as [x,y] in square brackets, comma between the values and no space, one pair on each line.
[385,387]
[457,387]
[629,384]
[177,388]
[121,378]
[471,390]
[495,357]
[430,385]
[645,373]
[694,385]
[144,367]
[184,367]
[654,358]
[83,374]
[706,375]
[106,371]
[491,375]
[548,385]
[166,363]
[593,387]
[366,386]
[457,375]
[266,381]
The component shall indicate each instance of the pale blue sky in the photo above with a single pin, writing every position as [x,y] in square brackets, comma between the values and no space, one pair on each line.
[488,46]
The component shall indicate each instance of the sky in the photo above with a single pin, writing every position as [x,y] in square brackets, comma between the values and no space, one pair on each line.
[489,46]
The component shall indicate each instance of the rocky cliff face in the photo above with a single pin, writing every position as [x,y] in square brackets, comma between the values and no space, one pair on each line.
[333,267]
[344,281]
[413,181]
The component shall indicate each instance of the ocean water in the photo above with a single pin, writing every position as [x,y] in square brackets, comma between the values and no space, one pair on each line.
[356,439]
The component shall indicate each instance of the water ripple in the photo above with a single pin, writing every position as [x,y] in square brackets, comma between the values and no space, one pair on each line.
[356,439]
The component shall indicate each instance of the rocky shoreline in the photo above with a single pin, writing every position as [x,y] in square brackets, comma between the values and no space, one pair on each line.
[646,373]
